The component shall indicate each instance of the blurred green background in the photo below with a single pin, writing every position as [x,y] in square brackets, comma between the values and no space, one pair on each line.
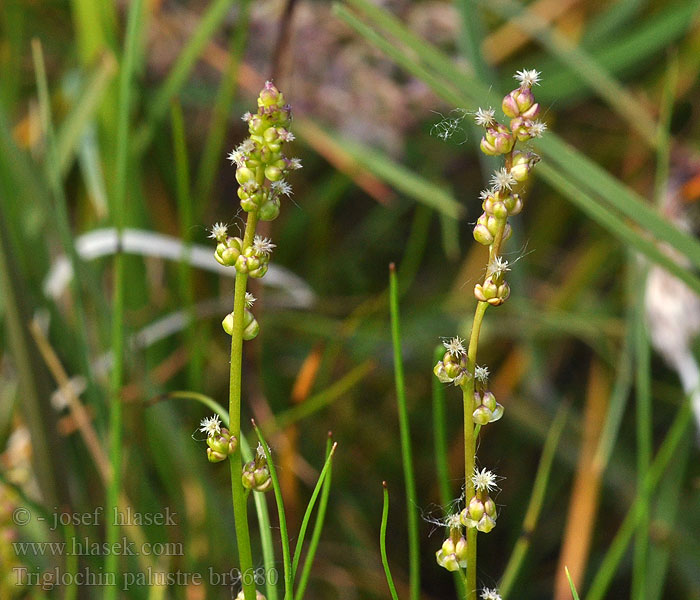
[381,100]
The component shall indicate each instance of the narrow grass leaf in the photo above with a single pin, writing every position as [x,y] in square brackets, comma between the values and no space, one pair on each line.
[318,528]
[309,510]
[534,507]
[284,534]
[382,544]
[405,433]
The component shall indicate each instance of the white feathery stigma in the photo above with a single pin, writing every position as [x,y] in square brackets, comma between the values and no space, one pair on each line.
[294,164]
[281,188]
[490,594]
[484,194]
[484,480]
[528,78]
[485,117]
[218,231]
[263,245]
[246,116]
[455,346]
[249,300]
[502,179]
[498,266]
[537,128]
[481,374]
[210,425]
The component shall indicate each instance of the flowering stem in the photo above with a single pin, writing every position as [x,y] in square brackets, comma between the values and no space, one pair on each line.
[470,445]
[240,507]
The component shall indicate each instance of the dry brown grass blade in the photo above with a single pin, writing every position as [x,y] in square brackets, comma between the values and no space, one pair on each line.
[586,489]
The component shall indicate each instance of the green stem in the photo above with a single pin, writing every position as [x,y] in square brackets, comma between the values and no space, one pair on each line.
[470,444]
[405,433]
[118,210]
[240,507]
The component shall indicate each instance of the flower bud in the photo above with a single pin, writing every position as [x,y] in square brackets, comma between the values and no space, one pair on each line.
[250,325]
[521,128]
[514,204]
[482,233]
[227,252]
[492,292]
[256,478]
[273,173]
[221,446]
[520,101]
[496,207]
[269,210]
[270,96]
[523,162]
[497,140]
[244,175]
[486,409]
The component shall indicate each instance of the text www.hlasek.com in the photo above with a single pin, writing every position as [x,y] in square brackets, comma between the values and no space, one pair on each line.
[85,547]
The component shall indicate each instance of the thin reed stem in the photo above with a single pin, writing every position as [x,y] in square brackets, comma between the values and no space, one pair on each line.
[405,432]
[238,495]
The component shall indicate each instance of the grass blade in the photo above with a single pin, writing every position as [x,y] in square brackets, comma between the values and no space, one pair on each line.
[213,146]
[574,593]
[309,510]
[284,534]
[616,551]
[118,212]
[180,71]
[534,507]
[262,513]
[382,544]
[318,527]
[406,452]
[83,111]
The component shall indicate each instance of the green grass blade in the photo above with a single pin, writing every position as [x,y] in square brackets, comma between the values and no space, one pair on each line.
[284,534]
[318,528]
[616,225]
[263,515]
[644,437]
[405,432]
[324,398]
[83,112]
[574,593]
[118,212]
[181,70]
[401,178]
[577,167]
[534,508]
[665,512]
[613,557]
[581,63]
[624,375]
[212,153]
[607,23]
[186,217]
[631,50]
[442,450]
[382,544]
[309,510]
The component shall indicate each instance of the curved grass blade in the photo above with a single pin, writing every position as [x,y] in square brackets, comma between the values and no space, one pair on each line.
[574,593]
[382,544]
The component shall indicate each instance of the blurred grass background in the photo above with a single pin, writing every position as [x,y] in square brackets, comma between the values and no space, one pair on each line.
[371,94]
